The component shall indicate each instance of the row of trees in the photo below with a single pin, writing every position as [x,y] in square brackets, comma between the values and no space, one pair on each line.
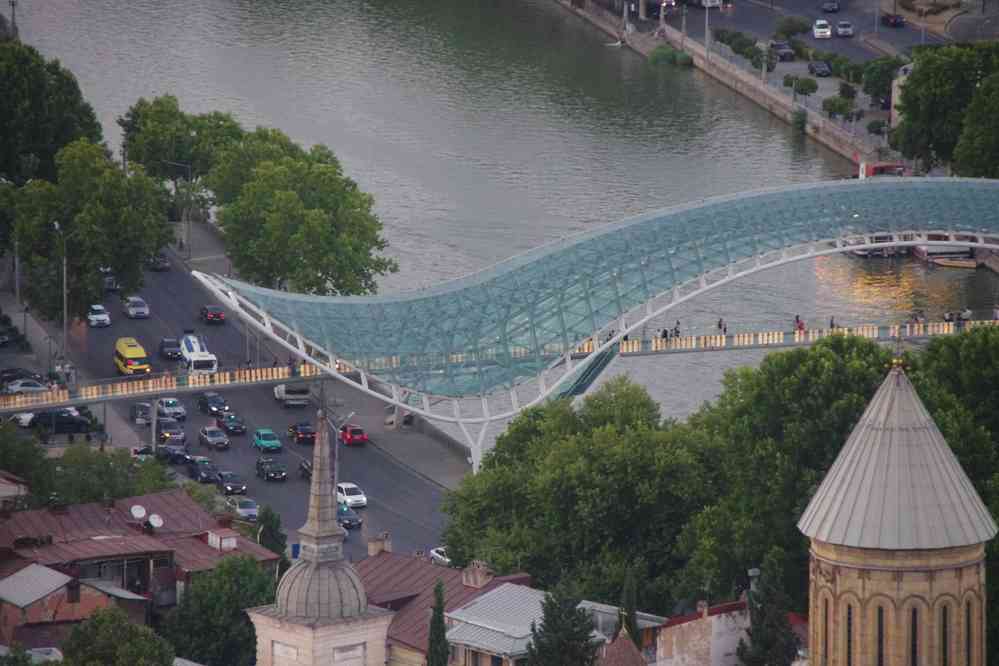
[583,496]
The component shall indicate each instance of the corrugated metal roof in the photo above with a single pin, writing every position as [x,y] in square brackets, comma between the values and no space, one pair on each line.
[30,584]
[488,640]
[193,554]
[112,590]
[509,609]
[896,485]
[91,548]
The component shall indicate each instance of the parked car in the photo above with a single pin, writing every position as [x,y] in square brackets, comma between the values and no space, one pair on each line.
[244,507]
[821,29]
[844,29]
[232,424]
[212,314]
[170,348]
[135,308]
[20,386]
[264,439]
[212,403]
[893,20]
[21,419]
[830,6]
[158,262]
[819,68]
[439,555]
[347,516]
[98,316]
[302,433]
[214,437]
[173,454]
[269,469]
[29,419]
[353,435]
[170,429]
[8,375]
[230,483]
[350,494]
[170,408]
[202,470]
[61,422]
[782,50]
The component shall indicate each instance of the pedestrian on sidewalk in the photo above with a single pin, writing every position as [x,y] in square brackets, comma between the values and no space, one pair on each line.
[995,313]
[832,323]
[721,324]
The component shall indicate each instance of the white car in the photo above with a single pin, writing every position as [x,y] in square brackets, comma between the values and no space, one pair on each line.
[25,386]
[822,29]
[98,316]
[170,408]
[844,29]
[439,555]
[349,494]
[135,308]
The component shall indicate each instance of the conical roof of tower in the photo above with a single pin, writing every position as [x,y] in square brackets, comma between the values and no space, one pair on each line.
[896,485]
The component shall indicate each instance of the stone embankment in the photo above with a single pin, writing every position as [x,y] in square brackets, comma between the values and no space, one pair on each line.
[853,147]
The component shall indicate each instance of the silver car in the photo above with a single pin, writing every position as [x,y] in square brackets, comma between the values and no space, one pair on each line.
[844,29]
[213,437]
[135,308]
[170,408]
[244,507]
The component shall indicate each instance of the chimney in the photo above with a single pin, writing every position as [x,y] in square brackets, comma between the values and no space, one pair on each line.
[702,608]
[476,574]
[379,544]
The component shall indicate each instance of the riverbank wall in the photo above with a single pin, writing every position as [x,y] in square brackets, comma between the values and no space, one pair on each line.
[853,147]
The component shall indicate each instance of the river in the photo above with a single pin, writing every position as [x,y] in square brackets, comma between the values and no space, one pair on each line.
[484,128]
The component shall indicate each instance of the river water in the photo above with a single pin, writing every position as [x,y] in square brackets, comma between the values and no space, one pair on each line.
[484,128]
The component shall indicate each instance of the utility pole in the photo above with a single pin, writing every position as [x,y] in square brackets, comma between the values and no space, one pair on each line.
[707,35]
[683,27]
[13,18]
[17,272]
[65,293]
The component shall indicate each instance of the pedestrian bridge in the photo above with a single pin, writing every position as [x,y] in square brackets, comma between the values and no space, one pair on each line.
[485,346]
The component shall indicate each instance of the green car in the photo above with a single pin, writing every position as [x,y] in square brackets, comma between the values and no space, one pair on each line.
[265,440]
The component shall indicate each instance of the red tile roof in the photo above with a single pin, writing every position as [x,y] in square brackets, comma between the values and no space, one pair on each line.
[720,609]
[193,554]
[393,576]
[621,652]
[93,548]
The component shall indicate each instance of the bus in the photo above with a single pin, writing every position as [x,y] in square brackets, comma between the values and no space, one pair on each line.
[195,357]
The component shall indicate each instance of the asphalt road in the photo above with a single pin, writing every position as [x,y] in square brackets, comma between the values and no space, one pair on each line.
[399,501]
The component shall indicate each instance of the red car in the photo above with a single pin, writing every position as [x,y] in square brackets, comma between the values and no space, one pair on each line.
[212,314]
[351,434]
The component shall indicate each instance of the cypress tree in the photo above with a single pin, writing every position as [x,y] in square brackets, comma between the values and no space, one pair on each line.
[771,640]
[437,648]
[564,637]
[629,611]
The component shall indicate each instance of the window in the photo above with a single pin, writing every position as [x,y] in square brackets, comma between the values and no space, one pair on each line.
[967,634]
[914,639]
[825,632]
[161,563]
[849,635]
[881,636]
[945,636]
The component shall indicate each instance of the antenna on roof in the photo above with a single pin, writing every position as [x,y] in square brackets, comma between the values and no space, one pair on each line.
[156,521]
[138,512]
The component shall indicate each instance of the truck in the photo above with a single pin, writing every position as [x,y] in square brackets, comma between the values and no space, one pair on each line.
[194,355]
[292,395]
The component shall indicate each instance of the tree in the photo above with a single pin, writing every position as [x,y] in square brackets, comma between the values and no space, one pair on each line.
[272,537]
[789,26]
[771,640]
[18,656]
[805,86]
[235,162]
[25,458]
[876,127]
[85,474]
[837,106]
[977,151]
[206,496]
[210,624]
[438,652]
[846,91]
[564,637]
[41,111]
[629,609]
[878,76]
[108,638]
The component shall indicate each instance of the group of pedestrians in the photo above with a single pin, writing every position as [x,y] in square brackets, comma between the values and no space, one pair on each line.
[670,333]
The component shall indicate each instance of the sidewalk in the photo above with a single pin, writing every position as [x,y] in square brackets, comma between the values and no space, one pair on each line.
[432,456]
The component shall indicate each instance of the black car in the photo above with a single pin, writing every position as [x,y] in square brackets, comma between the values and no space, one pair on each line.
[212,314]
[170,348]
[173,454]
[819,68]
[212,403]
[158,262]
[782,50]
[230,483]
[830,6]
[269,469]
[302,433]
[170,430]
[347,516]
[202,470]
[893,20]
[59,422]
[231,423]
[8,375]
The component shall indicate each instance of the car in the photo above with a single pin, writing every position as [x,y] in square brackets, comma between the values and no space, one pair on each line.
[439,555]
[20,386]
[140,413]
[844,29]
[232,424]
[302,433]
[212,314]
[214,437]
[821,29]
[202,470]
[173,454]
[269,469]
[819,68]
[22,419]
[158,262]
[305,469]
[212,403]
[347,516]
[61,422]
[170,430]
[108,279]
[893,20]
[170,348]
[8,375]
[782,50]
[350,494]
[142,453]
[353,435]
[98,316]
[265,440]
[170,408]
[230,483]
[830,6]
[135,308]
[29,419]
[244,507]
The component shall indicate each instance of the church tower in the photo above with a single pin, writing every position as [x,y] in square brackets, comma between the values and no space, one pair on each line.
[898,533]
[321,614]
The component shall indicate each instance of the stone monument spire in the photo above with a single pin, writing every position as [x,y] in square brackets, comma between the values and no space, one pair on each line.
[321,537]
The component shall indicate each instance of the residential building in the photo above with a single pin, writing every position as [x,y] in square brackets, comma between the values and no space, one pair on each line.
[13,491]
[898,534]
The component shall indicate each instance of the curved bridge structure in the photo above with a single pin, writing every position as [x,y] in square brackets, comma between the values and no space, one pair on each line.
[481,348]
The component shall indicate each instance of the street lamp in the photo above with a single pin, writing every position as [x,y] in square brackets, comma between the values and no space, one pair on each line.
[187,219]
[65,292]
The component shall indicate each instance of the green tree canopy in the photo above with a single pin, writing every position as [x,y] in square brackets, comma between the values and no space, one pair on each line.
[438,651]
[272,537]
[25,458]
[210,624]
[108,638]
[977,151]
[85,474]
[17,656]
[878,76]
[235,162]
[41,111]
[564,637]
[805,86]
[106,219]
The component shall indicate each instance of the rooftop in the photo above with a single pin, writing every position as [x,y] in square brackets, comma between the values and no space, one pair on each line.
[30,584]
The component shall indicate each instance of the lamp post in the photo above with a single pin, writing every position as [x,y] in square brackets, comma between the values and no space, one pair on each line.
[65,292]
[186,213]
[13,18]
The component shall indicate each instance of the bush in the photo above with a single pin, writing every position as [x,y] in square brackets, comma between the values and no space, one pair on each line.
[684,60]
[722,35]
[876,127]
[837,106]
[790,80]
[846,91]
[799,121]
[663,55]
[855,72]
[789,26]
[839,65]
[806,86]
[800,48]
